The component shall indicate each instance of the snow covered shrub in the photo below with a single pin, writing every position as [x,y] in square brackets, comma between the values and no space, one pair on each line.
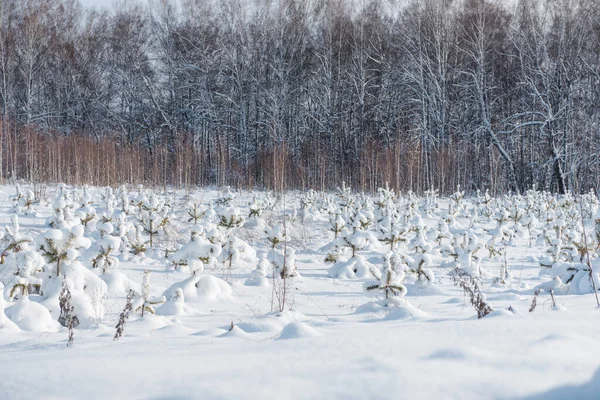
[66,317]
[464,248]
[124,316]
[575,277]
[355,267]
[470,287]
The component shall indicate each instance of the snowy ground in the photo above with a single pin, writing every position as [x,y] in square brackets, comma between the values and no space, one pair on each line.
[323,345]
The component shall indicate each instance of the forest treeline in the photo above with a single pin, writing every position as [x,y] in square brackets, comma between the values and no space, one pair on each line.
[498,95]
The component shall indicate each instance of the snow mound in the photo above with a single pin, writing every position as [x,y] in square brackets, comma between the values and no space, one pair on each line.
[295,330]
[406,312]
[500,313]
[235,332]
[118,284]
[261,325]
[147,324]
[205,288]
[173,330]
[392,309]
[586,391]
[210,332]
[30,316]
[175,306]
[420,289]
[6,325]
[212,288]
[506,297]
[355,267]
[449,354]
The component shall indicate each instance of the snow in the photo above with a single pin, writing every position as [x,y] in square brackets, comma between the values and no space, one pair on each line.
[332,339]
[296,330]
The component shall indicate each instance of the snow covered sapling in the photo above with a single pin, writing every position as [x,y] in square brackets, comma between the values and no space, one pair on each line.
[275,235]
[431,201]
[22,261]
[146,303]
[230,254]
[62,208]
[226,197]
[24,201]
[388,281]
[150,223]
[123,202]
[456,202]
[107,245]
[258,277]
[197,253]
[358,239]
[86,214]
[17,199]
[12,239]
[344,195]
[229,217]
[336,224]
[259,204]
[138,245]
[393,233]
[124,316]
[66,318]
[155,218]
[59,246]
[283,262]
[194,211]
[385,197]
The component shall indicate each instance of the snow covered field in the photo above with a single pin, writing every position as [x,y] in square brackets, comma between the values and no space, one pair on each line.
[222,264]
